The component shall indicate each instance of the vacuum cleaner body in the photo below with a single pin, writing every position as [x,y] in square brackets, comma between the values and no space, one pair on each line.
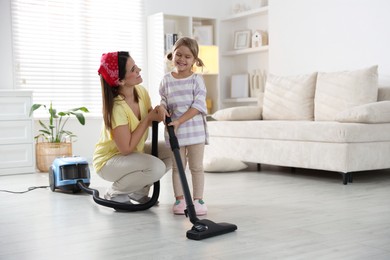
[66,172]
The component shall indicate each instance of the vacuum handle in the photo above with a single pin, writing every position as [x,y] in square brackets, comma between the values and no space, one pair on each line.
[172,137]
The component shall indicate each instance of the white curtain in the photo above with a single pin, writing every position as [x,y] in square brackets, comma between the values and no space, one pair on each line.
[57,47]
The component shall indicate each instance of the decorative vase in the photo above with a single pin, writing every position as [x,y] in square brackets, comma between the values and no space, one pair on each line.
[47,152]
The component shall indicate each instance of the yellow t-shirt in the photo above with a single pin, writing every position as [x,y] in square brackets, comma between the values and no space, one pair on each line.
[121,115]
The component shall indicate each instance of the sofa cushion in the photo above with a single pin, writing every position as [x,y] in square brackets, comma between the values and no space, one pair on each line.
[223,164]
[289,97]
[338,91]
[238,113]
[377,112]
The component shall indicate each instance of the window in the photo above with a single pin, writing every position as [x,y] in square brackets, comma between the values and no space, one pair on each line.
[58,44]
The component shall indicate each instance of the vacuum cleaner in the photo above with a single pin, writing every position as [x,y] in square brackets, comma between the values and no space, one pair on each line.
[72,174]
[204,228]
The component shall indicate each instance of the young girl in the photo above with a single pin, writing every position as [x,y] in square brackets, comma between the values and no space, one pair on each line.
[183,98]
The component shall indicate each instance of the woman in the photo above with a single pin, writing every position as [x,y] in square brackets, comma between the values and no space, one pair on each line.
[121,155]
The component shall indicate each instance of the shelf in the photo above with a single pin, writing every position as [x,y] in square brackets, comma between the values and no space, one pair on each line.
[246,14]
[233,61]
[241,100]
[245,51]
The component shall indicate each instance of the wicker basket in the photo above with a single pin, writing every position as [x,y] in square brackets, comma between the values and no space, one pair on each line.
[47,152]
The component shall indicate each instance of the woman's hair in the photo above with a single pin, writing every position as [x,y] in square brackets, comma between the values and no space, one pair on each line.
[109,92]
[190,44]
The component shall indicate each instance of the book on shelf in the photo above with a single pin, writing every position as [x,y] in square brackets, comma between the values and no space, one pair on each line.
[170,39]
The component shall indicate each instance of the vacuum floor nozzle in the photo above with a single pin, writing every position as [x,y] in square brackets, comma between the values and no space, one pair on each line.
[206,228]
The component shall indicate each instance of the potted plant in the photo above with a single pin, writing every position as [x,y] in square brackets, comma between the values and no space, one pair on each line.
[53,139]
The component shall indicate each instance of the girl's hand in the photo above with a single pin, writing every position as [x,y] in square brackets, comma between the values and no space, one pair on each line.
[175,125]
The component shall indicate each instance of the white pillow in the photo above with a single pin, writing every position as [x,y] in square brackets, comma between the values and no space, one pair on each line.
[338,91]
[377,112]
[289,97]
[223,164]
[238,113]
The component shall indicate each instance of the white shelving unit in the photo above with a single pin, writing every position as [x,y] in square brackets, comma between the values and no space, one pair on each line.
[159,25]
[16,133]
[240,61]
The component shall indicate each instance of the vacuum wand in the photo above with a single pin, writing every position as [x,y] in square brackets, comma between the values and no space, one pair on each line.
[202,228]
[190,211]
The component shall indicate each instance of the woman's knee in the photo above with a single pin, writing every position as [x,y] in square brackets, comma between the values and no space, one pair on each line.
[157,168]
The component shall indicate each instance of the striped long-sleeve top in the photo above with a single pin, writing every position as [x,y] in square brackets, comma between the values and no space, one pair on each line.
[179,95]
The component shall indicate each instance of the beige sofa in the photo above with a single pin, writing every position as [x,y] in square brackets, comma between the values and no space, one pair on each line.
[338,121]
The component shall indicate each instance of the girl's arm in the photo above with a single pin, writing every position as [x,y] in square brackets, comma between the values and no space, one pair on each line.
[186,116]
[163,108]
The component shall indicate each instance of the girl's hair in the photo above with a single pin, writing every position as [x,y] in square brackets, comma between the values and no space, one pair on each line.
[109,92]
[190,44]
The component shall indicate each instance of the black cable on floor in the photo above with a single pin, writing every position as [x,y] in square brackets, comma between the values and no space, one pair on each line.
[29,189]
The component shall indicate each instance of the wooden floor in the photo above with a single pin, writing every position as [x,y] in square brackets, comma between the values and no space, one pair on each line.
[280,214]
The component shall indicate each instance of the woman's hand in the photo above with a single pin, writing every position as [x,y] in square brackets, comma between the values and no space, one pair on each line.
[163,113]
[155,115]
[127,141]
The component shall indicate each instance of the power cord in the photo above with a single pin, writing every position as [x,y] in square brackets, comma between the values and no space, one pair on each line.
[29,189]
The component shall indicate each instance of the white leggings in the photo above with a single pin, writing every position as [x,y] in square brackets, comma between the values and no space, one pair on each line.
[136,172]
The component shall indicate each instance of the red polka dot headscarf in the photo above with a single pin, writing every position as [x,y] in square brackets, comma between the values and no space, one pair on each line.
[109,68]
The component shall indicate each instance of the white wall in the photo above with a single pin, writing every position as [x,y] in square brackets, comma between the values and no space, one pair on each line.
[312,35]
[6,71]
[200,8]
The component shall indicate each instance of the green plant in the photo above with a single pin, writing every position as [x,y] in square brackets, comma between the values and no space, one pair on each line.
[54,131]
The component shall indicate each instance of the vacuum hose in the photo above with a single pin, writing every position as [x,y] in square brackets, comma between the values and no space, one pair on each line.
[123,206]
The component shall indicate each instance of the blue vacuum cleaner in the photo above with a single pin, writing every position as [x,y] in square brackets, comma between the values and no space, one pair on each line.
[201,228]
[73,174]
[66,172]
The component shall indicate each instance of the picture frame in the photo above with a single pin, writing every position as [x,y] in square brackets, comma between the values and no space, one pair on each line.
[239,86]
[203,34]
[242,39]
